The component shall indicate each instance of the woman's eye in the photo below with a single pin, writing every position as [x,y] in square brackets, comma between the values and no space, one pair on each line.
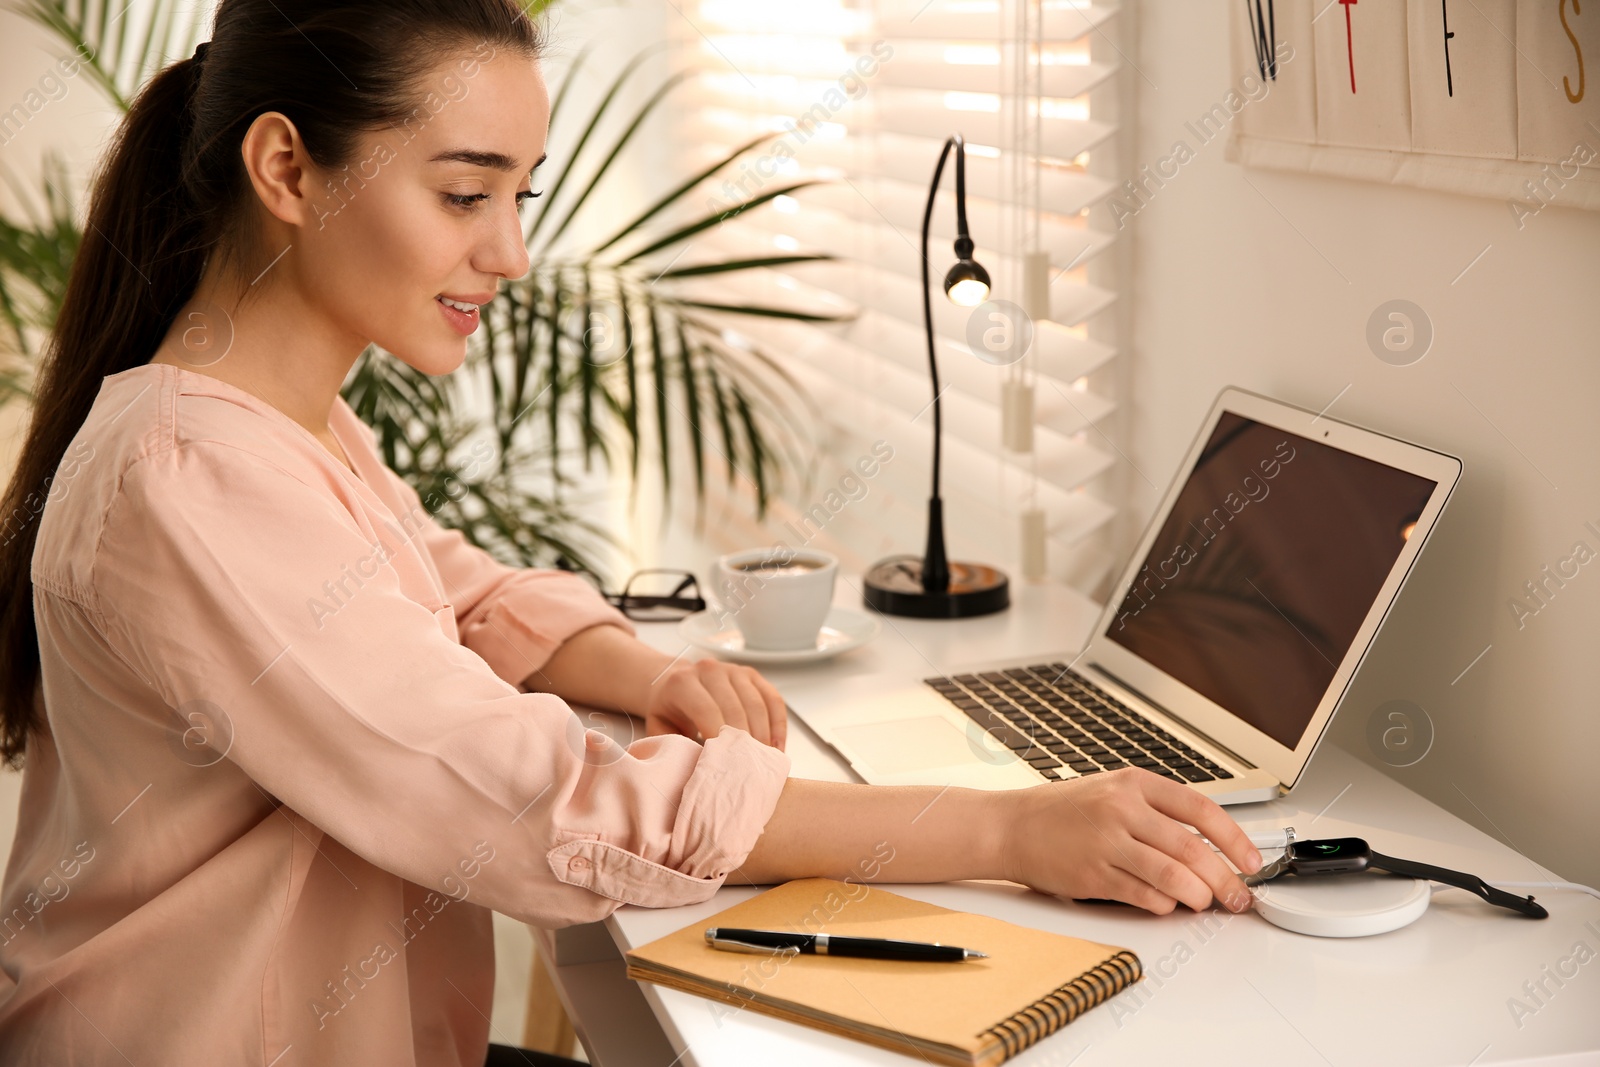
[470,199]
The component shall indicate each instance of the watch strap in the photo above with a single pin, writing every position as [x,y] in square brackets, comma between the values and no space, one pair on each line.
[1470,882]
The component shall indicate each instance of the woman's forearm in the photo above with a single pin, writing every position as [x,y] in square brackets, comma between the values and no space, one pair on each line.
[605,667]
[1120,835]
[601,667]
[879,833]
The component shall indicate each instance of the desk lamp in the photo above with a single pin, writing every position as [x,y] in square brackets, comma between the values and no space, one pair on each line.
[933,587]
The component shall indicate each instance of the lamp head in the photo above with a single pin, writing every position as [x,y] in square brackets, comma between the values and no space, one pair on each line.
[967,283]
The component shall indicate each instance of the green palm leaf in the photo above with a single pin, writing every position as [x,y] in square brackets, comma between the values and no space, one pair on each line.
[588,132]
[552,389]
[658,374]
[761,311]
[679,192]
[730,450]
[36,255]
[630,370]
[727,265]
[120,48]
[691,410]
[616,149]
[682,234]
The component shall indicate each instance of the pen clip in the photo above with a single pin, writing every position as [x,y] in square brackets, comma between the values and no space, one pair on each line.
[728,944]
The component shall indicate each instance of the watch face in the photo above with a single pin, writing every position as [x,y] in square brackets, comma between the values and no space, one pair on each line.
[1331,856]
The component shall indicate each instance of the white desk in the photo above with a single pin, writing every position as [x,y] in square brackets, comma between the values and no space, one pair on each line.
[1218,987]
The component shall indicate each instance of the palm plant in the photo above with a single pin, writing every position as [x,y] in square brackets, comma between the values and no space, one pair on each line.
[117,53]
[594,354]
[35,256]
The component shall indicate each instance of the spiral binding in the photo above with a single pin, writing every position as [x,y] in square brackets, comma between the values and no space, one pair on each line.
[1053,1011]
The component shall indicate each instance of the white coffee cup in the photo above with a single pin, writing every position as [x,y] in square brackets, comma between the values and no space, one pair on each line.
[777,597]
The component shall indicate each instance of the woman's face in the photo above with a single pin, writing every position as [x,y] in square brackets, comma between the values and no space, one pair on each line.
[427,211]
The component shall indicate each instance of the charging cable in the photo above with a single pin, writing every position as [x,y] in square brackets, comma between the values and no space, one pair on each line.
[1263,840]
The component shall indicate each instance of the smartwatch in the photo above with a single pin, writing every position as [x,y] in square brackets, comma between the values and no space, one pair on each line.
[1347,855]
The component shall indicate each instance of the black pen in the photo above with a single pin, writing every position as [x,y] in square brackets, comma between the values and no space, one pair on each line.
[766,942]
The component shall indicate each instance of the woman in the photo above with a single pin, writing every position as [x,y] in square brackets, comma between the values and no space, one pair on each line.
[288,741]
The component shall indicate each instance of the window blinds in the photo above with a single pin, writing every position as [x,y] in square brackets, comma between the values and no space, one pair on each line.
[862,95]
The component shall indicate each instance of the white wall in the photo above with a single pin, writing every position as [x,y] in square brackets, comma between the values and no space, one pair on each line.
[1266,280]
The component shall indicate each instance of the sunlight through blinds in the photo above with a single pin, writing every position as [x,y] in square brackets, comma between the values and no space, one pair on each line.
[862,95]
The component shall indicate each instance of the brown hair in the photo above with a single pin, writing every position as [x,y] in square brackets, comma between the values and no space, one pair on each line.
[172,192]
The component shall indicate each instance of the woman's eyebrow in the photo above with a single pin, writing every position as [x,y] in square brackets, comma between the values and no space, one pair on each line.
[481,158]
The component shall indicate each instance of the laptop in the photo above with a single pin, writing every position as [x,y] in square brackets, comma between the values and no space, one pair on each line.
[1226,644]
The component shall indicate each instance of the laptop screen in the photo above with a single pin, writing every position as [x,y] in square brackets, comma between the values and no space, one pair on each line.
[1261,576]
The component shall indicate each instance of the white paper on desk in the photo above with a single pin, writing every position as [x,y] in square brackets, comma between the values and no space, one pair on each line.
[1558,57]
[1464,88]
[1288,110]
[1363,79]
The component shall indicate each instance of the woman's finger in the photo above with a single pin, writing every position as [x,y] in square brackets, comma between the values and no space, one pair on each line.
[1130,890]
[755,709]
[713,677]
[777,710]
[1162,872]
[686,707]
[1204,814]
[1173,838]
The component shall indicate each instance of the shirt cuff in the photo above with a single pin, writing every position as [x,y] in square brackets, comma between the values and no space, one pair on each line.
[527,621]
[724,808]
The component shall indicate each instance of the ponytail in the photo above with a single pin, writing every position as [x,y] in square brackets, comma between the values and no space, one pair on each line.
[172,192]
[132,272]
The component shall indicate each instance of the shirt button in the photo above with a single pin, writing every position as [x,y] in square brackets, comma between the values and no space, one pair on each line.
[578,863]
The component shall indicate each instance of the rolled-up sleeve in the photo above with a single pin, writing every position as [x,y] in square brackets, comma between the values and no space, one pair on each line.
[513,617]
[391,737]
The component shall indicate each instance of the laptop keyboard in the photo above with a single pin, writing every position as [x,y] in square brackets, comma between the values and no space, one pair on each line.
[1055,719]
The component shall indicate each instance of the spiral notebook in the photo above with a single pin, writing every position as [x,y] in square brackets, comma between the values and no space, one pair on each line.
[972,1013]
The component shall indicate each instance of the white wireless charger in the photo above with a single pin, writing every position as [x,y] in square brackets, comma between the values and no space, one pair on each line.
[1343,905]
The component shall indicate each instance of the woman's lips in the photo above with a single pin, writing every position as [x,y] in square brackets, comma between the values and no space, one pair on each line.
[463,322]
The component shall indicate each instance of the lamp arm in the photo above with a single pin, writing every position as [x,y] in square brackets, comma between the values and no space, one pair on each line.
[961,190]
[935,564]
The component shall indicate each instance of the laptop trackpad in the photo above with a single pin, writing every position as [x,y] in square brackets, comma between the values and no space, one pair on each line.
[903,745]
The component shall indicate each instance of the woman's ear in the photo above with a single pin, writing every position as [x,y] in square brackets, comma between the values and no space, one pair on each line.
[280,169]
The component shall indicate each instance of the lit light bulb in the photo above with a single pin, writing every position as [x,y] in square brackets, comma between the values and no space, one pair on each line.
[969,292]
[967,283]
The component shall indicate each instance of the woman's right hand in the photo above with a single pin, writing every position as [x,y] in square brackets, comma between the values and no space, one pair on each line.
[1124,835]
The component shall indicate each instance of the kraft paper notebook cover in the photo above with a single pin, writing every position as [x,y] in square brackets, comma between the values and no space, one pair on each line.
[977,1012]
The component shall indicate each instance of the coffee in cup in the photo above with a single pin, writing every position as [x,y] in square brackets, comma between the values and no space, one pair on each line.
[777,597]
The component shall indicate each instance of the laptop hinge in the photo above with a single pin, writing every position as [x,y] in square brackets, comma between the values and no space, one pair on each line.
[1179,719]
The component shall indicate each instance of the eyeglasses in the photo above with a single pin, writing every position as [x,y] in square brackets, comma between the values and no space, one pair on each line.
[655,595]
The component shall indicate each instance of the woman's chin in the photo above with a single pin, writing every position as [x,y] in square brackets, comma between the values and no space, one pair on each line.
[434,362]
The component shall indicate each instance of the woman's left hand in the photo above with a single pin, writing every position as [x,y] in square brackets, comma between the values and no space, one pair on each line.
[698,698]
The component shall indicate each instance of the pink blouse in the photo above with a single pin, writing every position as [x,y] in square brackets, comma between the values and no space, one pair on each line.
[287,768]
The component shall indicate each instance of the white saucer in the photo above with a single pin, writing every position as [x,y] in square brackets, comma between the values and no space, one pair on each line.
[1356,905]
[842,630]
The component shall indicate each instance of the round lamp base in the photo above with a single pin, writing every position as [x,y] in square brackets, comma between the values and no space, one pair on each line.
[894,587]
